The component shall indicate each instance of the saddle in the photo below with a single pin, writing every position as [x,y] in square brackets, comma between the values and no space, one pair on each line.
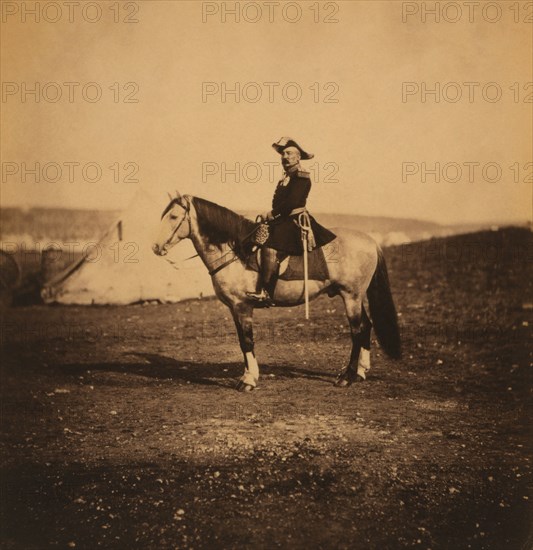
[292,267]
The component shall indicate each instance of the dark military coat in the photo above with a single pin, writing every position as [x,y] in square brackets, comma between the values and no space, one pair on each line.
[285,235]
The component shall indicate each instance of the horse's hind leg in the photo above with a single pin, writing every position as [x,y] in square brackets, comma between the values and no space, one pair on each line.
[363,364]
[242,315]
[360,336]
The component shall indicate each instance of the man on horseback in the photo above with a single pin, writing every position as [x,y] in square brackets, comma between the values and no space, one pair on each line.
[289,202]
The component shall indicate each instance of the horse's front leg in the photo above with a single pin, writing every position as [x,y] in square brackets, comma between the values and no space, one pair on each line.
[242,315]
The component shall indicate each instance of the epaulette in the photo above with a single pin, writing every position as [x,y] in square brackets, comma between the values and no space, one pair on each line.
[303,174]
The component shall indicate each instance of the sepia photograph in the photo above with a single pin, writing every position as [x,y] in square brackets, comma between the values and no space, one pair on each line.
[266,274]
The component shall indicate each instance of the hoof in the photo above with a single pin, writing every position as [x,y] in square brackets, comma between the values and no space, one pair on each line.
[347,378]
[342,383]
[243,386]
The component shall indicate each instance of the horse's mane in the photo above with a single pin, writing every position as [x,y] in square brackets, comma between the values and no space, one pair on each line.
[221,225]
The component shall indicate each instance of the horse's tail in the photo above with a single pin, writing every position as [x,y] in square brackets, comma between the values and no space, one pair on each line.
[382,310]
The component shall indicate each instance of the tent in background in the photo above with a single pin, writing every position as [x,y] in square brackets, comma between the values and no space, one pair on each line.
[122,269]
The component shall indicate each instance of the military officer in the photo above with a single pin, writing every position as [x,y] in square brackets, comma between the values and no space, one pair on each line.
[290,198]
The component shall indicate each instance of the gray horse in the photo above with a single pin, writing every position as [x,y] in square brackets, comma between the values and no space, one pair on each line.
[219,236]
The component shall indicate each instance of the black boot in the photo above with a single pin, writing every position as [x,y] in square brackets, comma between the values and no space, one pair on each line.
[268,278]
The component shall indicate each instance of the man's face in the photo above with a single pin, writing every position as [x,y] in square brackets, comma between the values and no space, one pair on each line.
[290,156]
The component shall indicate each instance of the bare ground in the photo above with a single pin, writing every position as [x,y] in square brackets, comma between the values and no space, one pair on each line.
[121,427]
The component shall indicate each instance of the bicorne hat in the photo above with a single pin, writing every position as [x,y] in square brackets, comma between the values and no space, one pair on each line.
[285,142]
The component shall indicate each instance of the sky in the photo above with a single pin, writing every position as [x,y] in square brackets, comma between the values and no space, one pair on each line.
[345,79]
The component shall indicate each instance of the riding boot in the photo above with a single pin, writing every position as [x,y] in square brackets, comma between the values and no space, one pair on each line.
[269,275]
[270,270]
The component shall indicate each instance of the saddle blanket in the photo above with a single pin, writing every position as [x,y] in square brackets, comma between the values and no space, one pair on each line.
[292,267]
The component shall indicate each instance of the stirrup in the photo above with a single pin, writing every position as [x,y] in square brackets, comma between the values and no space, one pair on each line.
[261,297]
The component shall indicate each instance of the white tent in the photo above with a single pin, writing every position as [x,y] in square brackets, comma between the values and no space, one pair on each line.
[122,269]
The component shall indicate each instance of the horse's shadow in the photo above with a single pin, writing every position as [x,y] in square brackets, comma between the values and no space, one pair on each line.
[202,373]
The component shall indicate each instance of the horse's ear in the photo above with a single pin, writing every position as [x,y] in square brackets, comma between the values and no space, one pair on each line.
[178,195]
[170,197]
[184,202]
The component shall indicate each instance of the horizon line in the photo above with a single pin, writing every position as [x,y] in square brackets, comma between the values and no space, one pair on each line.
[521,222]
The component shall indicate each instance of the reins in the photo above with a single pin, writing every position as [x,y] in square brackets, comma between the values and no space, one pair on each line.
[235,258]
[220,267]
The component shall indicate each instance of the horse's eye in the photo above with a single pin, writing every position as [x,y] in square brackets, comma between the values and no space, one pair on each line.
[173,217]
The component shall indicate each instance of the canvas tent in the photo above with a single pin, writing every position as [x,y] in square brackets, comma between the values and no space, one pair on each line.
[122,269]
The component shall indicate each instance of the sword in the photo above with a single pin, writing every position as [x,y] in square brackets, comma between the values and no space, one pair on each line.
[303,220]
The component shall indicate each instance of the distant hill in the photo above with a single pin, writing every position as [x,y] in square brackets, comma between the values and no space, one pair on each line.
[56,223]
[60,224]
[475,263]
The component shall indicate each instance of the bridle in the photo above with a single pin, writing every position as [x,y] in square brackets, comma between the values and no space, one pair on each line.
[187,217]
[177,228]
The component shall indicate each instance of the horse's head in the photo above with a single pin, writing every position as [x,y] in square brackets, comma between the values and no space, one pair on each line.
[175,225]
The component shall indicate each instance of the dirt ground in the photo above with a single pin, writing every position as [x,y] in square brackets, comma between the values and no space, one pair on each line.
[121,427]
